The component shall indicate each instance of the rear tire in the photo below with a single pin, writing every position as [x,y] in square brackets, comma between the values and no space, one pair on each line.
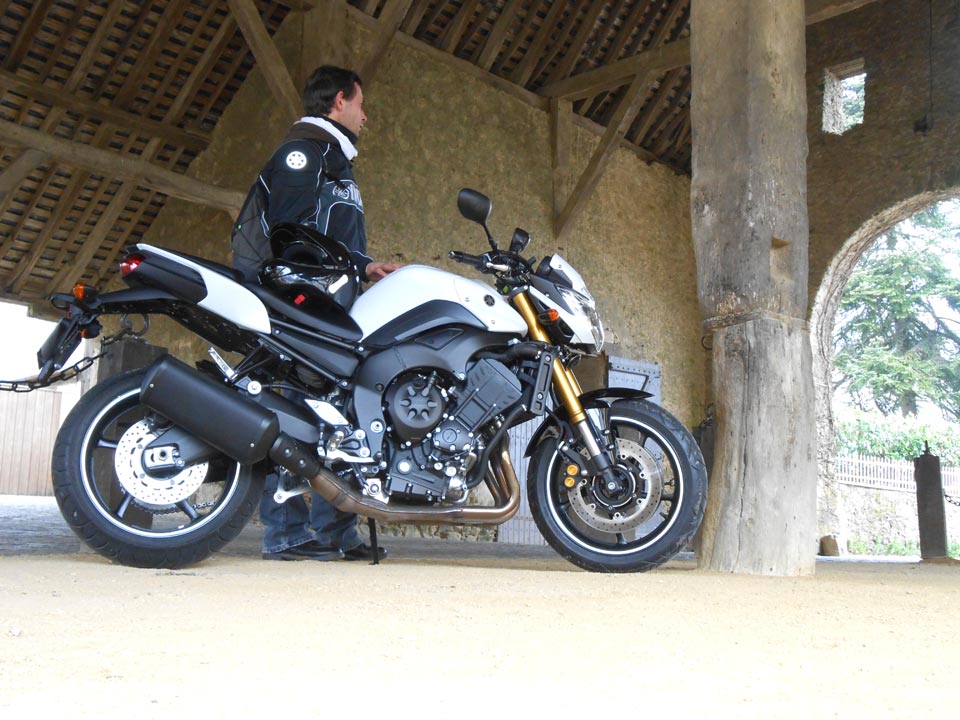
[645,524]
[174,520]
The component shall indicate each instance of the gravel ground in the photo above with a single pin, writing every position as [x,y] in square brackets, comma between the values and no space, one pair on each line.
[467,629]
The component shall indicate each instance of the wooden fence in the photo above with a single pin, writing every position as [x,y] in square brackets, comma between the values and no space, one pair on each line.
[28,427]
[883,474]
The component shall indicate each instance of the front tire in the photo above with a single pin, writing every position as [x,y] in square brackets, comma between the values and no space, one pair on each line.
[145,519]
[652,516]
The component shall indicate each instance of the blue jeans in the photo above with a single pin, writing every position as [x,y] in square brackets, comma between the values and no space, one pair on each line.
[292,523]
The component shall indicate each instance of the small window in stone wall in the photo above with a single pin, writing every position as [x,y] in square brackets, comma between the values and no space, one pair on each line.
[844,96]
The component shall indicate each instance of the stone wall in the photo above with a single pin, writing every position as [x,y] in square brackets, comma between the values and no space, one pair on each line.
[902,158]
[887,517]
[907,144]
[434,129]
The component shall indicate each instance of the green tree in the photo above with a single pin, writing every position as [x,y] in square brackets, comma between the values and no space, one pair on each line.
[897,340]
[853,97]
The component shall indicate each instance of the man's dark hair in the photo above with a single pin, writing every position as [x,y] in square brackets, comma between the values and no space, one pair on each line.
[323,85]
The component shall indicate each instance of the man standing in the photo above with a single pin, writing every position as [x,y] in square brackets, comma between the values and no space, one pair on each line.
[309,180]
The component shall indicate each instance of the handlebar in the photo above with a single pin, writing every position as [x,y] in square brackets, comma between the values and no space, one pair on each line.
[478,261]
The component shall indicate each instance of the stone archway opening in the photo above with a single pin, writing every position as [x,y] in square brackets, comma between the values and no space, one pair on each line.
[830,512]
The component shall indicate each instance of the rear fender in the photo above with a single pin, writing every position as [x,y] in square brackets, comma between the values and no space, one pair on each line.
[82,321]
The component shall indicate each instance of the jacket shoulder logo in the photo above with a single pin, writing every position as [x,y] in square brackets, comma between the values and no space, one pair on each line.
[296,160]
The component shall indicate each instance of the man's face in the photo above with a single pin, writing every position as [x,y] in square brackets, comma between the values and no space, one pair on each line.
[349,113]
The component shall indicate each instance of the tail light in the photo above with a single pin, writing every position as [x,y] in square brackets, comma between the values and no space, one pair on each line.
[130,263]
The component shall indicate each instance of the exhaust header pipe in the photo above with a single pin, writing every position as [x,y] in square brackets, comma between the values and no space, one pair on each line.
[243,430]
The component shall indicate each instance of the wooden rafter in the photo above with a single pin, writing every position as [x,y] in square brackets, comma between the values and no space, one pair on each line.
[268,57]
[148,56]
[649,115]
[498,34]
[586,29]
[71,272]
[77,154]
[390,21]
[74,187]
[659,60]
[585,186]
[28,29]
[528,64]
[191,139]
[662,32]
[25,266]
[820,10]
[626,31]
[111,255]
[412,21]
[16,171]
[456,29]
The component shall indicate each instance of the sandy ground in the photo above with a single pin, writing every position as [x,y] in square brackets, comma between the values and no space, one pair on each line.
[477,634]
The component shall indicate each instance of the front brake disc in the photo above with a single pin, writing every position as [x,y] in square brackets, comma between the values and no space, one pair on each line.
[647,474]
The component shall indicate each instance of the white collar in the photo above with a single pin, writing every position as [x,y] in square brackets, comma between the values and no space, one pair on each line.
[345,145]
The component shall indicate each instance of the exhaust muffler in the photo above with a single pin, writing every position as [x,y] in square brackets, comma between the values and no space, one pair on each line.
[223,418]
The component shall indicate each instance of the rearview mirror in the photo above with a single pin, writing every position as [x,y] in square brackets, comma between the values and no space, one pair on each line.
[474,206]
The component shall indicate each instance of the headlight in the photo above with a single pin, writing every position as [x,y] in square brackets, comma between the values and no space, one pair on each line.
[586,305]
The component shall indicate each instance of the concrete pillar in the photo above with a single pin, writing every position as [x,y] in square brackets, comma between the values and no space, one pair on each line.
[931,513]
[749,214]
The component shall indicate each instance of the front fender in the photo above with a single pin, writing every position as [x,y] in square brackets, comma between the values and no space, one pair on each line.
[559,422]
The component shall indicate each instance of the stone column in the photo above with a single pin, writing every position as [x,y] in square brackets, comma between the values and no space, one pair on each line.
[749,215]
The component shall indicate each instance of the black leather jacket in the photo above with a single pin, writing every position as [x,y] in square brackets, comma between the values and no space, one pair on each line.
[308,180]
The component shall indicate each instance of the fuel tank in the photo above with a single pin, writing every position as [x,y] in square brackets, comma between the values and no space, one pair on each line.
[414,287]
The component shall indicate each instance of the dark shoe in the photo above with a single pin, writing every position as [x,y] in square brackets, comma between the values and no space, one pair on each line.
[363,552]
[311,550]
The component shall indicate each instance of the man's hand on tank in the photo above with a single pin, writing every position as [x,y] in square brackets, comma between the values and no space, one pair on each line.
[378,270]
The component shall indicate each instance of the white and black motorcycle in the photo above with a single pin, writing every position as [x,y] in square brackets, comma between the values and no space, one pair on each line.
[394,404]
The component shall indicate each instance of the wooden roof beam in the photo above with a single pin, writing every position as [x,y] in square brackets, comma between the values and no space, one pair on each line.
[667,57]
[820,10]
[122,167]
[590,177]
[190,139]
[498,34]
[17,171]
[390,21]
[268,57]
[656,61]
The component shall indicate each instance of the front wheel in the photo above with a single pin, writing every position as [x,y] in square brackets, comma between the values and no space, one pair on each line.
[654,510]
[130,503]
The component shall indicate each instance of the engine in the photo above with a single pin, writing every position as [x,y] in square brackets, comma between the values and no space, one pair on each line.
[436,427]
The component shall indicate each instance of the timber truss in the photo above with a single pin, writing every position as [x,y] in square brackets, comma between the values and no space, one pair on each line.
[105,104]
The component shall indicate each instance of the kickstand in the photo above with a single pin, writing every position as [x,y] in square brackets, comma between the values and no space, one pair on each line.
[374,547]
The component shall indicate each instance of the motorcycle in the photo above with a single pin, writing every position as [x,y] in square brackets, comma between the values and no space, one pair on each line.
[394,404]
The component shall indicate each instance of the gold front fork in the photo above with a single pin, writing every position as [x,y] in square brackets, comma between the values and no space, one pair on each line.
[564,380]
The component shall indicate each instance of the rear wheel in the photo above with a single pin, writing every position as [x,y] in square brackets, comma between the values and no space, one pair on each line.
[646,516]
[134,505]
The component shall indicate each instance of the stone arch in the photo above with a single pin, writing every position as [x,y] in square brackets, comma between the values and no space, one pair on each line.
[822,318]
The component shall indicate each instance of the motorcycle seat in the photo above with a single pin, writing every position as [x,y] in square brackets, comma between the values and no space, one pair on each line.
[334,322]
[229,272]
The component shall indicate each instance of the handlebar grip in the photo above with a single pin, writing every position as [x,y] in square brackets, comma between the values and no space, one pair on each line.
[463,257]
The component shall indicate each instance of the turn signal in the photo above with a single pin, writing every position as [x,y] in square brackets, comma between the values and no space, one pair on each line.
[84,292]
[549,317]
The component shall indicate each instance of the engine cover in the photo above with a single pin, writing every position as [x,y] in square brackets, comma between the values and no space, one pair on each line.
[415,405]
[432,459]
